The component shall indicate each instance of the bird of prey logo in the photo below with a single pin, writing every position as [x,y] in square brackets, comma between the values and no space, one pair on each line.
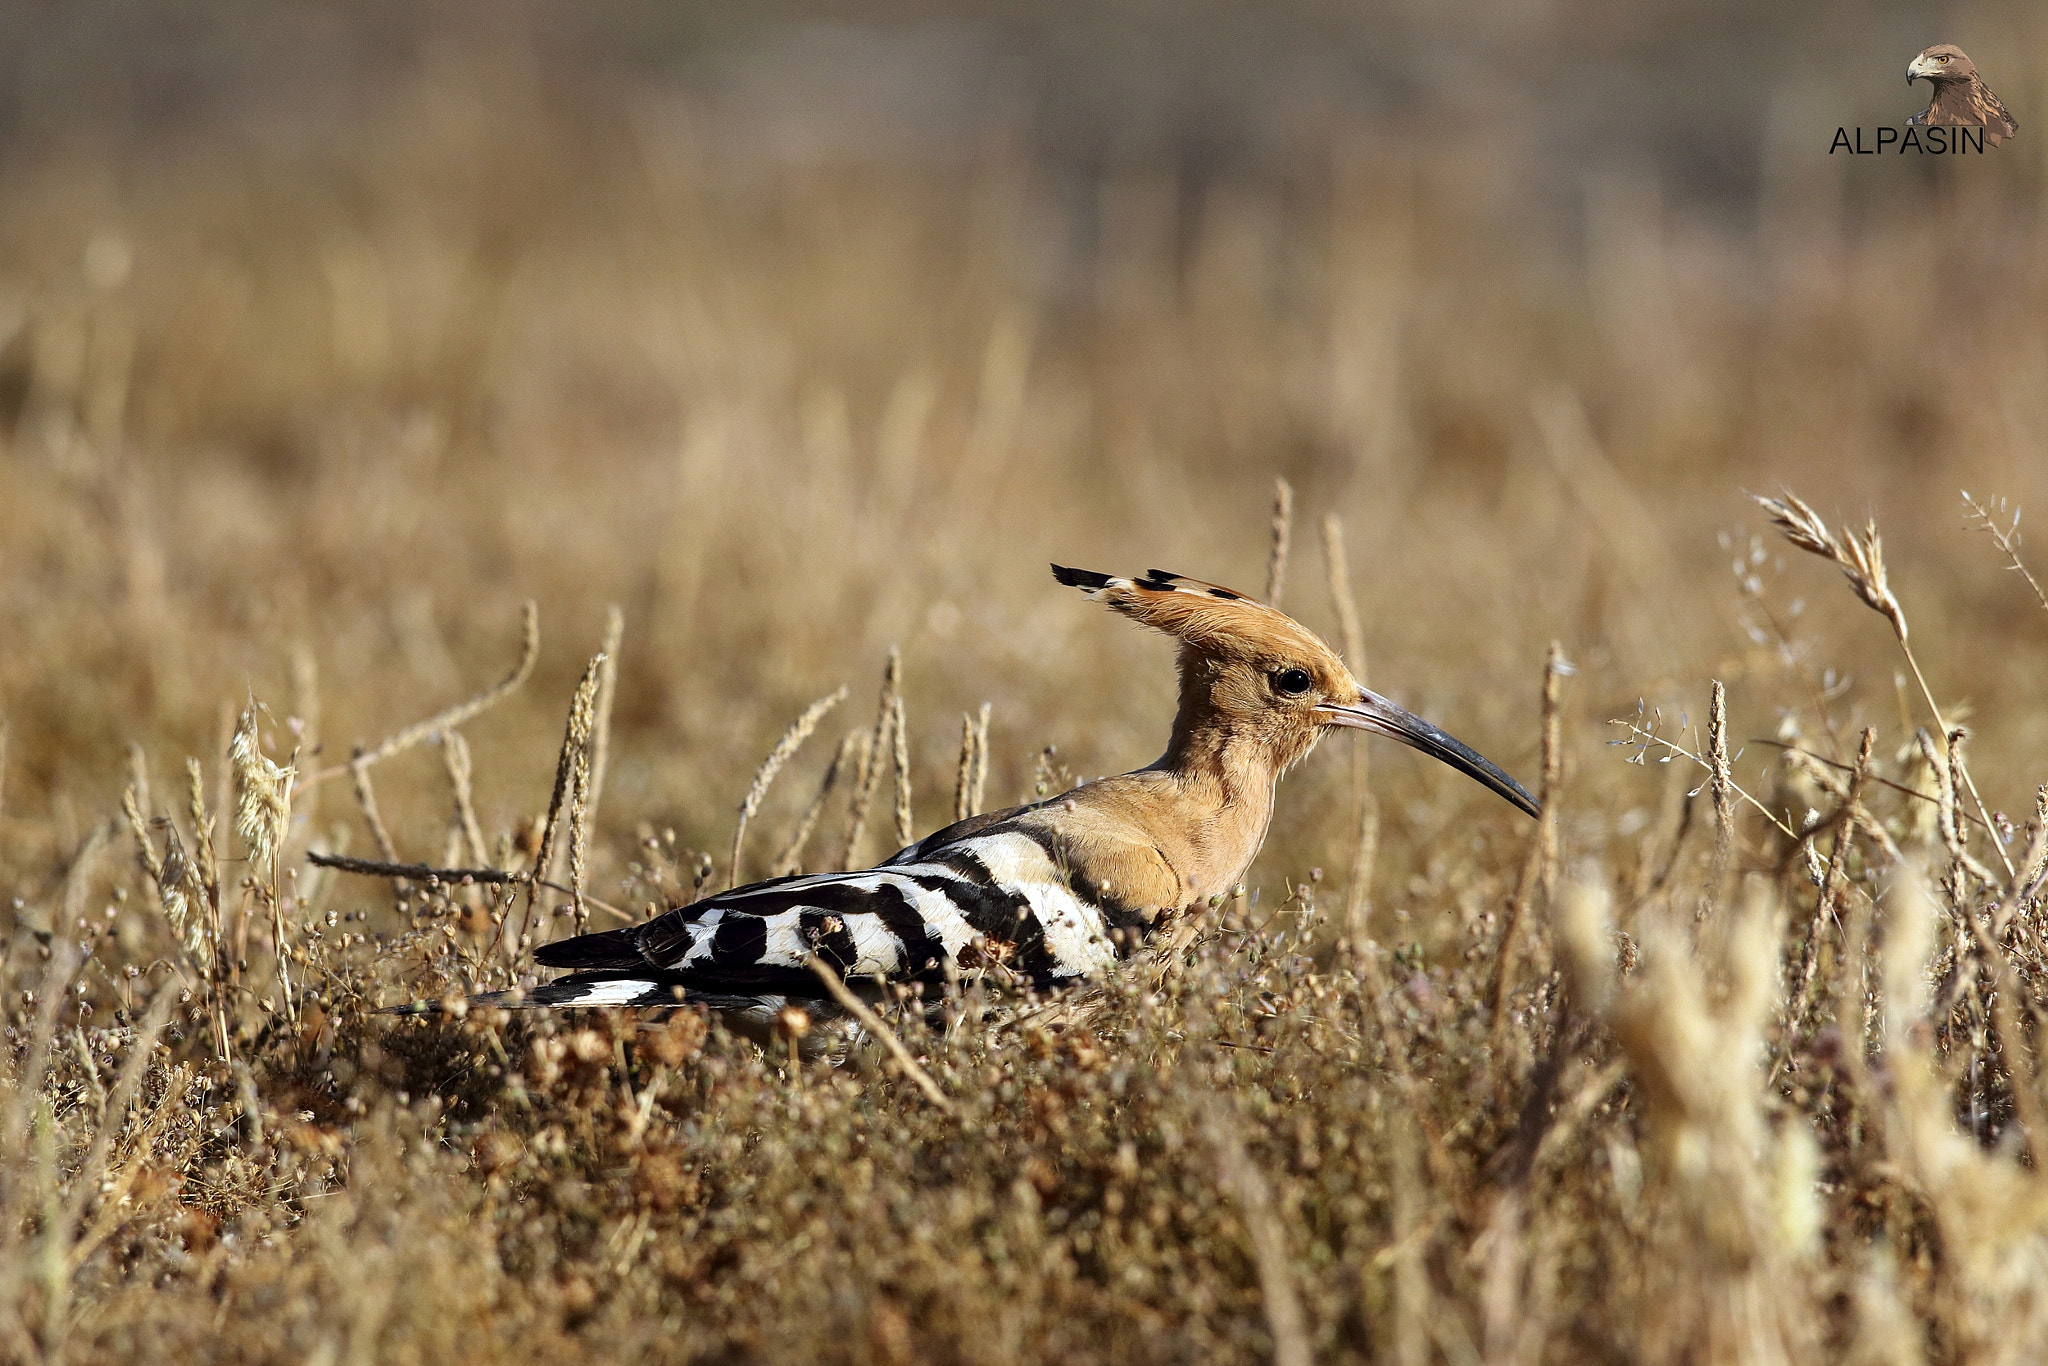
[1961,99]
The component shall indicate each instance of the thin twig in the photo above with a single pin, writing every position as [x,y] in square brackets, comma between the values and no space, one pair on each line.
[873,1024]
[453,877]
[424,872]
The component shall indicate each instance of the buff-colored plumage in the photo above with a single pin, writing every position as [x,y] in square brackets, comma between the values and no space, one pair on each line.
[1188,826]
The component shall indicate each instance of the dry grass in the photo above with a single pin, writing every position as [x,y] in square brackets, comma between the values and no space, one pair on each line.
[288,443]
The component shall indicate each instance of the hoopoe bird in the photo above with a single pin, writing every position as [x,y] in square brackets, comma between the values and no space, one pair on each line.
[1056,891]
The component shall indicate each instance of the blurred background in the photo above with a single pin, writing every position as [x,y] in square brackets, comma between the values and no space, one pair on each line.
[331,333]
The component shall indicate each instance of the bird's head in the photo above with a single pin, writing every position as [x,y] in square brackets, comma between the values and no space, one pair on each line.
[1942,62]
[1252,672]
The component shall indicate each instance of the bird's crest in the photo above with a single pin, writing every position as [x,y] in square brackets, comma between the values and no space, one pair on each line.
[1205,616]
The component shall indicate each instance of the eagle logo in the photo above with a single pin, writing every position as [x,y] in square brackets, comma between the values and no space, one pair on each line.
[1961,99]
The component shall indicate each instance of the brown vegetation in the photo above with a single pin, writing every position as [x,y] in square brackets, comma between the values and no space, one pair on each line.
[1736,1057]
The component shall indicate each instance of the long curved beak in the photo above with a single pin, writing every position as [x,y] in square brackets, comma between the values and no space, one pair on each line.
[1376,714]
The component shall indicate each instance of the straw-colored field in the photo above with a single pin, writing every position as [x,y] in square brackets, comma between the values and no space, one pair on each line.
[295,417]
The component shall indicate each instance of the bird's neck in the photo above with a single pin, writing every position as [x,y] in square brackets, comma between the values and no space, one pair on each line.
[1223,775]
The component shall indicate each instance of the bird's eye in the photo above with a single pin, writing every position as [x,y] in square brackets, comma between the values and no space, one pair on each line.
[1944,56]
[1293,682]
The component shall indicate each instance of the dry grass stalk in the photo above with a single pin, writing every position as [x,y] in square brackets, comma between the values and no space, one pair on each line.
[849,757]
[1825,908]
[1944,761]
[4,732]
[1645,736]
[2022,1073]
[86,1183]
[460,713]
[1861,560]
[2007,538]
[263,812]
[977,790]
[1337,565]
[173,884]
[138,778]
[899,733]
[1351,636]
[1249,1190]
[21,1181]
[204,876]
[601,734]
[576,750]
[2026,884]
[572,773]
[173,887]
[1283,529]
[455,759]
[972,774]
[206,865]
[1539,865]
[263,804]
[1413,1308]
[764,777]
[114,1203]
[307,734]
[1365,845]
[145,850]
[878,752]
[366,798]
[874,1024]
[1721,785]
[963,777]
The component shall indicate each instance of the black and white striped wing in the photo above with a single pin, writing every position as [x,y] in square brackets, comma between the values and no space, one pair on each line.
[1000,888]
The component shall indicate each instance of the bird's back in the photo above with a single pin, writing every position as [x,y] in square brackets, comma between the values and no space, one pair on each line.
[1010,892]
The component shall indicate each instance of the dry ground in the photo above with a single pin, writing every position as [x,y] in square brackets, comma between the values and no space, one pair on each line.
[292,432]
